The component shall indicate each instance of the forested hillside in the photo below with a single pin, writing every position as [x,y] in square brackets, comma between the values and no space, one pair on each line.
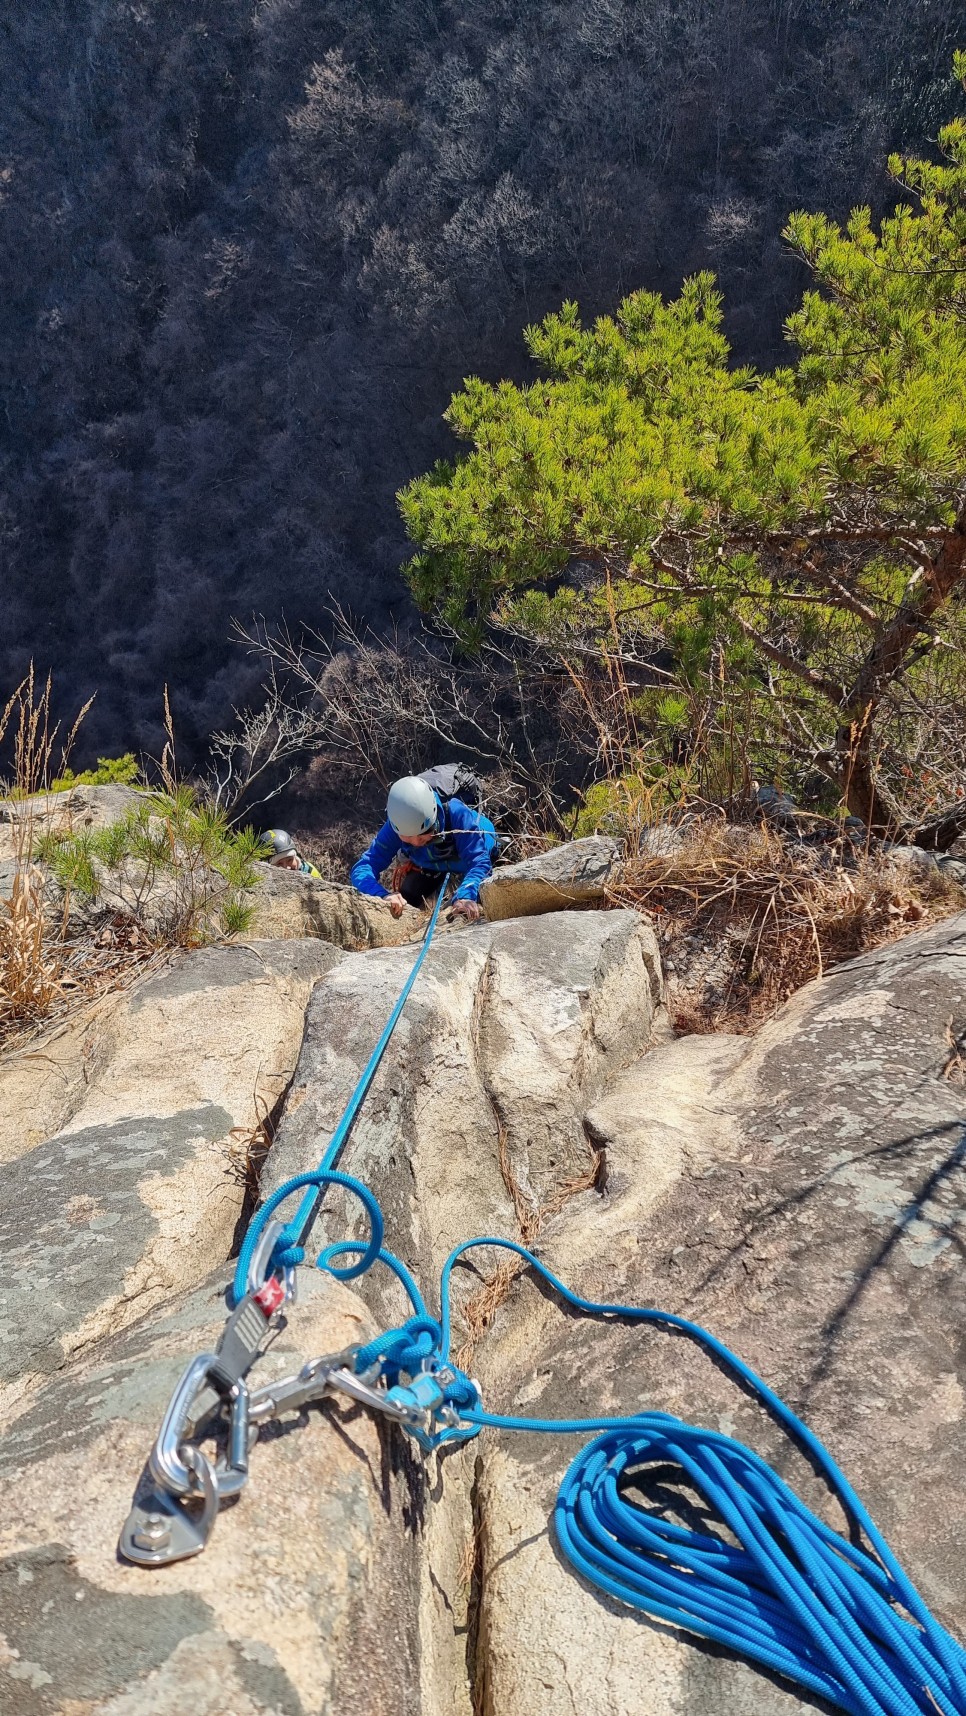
[249,249]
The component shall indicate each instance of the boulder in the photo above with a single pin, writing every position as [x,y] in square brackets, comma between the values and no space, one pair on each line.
[800,1195]
[577,874]
[662,839]
[914,860]
[917,863]
[104,1216]
[67,812]
[512,1031]
[777,807]
[287,904]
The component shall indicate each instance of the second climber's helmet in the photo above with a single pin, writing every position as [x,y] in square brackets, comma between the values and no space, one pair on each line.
[412,808]
[275,843]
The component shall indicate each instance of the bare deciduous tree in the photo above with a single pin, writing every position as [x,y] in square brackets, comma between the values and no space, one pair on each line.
[382,707]
[260,752]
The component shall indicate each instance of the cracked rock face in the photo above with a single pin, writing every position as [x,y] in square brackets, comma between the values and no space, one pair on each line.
[302,1600]
[800,1193]
[511,1033]
[288,904]
[104,1215]
[342,1580]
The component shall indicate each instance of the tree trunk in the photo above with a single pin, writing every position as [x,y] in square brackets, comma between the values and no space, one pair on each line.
[864,794]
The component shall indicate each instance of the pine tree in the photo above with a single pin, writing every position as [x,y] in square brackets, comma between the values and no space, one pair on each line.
[802,532]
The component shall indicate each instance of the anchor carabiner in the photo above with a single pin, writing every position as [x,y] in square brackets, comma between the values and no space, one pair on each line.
[192,1401]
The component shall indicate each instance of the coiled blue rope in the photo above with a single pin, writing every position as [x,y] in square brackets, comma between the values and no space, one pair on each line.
[839,1620]
[794,1595]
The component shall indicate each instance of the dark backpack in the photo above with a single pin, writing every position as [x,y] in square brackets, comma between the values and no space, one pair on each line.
[454,780]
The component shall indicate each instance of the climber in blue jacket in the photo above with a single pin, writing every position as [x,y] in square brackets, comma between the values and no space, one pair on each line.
[430,835]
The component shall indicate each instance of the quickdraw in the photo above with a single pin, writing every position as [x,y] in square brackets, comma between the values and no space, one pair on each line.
[175,1517]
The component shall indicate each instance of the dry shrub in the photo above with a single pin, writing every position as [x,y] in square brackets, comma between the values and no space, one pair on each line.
[370,708]
[480,1309]
[746,915]
[48,967]
[32,954]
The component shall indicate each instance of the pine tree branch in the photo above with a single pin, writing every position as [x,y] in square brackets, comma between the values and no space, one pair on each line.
[843,597]
[933,584]
[792,541]
[830,688]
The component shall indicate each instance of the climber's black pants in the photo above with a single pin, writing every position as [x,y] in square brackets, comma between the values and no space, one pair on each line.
[418,886]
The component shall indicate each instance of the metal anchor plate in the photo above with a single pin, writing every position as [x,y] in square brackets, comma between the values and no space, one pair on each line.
[162,1527]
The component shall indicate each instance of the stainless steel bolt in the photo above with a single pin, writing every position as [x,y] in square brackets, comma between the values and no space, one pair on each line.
[153,1534]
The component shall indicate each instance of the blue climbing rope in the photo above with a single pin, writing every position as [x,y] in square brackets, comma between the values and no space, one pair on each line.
[793,1595]
[772,1583]
[837,1619]
[289,1249]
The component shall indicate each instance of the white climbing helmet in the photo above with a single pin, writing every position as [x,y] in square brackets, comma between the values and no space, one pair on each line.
[412,807]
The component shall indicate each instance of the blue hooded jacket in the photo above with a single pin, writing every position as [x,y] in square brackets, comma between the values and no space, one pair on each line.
[465,844]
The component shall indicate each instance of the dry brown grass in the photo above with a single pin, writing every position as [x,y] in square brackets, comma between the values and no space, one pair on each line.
[49,968]
[249,1145]
[479,1311]
[37,967]
[31,961]
[86,970]
[746,916]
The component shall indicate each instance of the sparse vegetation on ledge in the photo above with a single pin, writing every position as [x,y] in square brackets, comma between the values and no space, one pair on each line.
[745,915]
[89,907]
[170,867]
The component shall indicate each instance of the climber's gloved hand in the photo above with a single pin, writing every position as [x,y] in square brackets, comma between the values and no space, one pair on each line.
[471,910]
[395,902]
